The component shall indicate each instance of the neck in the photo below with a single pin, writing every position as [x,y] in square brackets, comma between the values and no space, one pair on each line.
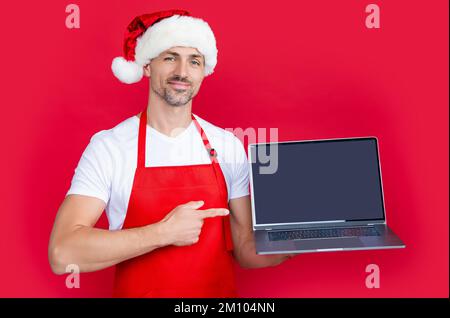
[167,119]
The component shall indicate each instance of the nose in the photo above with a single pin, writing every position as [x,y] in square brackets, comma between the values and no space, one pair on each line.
[181,68]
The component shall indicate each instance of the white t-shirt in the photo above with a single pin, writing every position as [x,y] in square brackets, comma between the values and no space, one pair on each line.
[107,166]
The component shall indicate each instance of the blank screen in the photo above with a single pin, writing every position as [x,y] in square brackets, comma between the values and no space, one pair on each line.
[317,181]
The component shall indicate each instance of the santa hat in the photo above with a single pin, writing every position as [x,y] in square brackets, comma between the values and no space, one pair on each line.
[149,35]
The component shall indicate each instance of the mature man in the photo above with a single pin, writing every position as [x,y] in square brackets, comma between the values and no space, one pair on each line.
[167,178]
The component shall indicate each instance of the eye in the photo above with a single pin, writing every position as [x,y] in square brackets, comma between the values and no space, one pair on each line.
[171,58]
[196,62]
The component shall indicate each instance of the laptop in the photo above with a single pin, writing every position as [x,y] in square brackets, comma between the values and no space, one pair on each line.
[318,196]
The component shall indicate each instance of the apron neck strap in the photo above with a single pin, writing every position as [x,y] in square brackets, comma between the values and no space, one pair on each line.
[143,135]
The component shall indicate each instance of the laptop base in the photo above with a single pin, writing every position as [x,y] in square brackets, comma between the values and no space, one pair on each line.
[386,240]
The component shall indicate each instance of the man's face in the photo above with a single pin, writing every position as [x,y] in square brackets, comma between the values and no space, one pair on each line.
[176,74]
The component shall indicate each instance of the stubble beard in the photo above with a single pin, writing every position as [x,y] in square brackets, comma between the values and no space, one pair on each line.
[174,97]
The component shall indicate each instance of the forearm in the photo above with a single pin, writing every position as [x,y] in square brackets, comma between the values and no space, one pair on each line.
[93,249]
[245,254]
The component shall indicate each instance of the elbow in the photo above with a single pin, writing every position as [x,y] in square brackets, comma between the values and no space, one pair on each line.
[255,265]
[244,265]
[56,260]
[259,261]
[248,263]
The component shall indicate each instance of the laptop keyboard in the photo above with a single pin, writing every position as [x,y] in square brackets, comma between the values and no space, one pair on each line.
[322,233]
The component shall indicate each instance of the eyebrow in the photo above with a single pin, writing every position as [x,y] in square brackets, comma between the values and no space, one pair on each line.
[191,55]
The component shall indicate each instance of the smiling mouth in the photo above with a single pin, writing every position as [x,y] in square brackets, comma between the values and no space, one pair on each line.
[179,85]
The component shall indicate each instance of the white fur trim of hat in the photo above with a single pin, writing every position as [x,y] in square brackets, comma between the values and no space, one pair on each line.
[176,30]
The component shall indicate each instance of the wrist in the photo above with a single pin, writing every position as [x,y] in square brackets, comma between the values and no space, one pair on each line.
[151,236]
[162,234]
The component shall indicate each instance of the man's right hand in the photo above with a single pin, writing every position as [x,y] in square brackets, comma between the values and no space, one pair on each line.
[182,226]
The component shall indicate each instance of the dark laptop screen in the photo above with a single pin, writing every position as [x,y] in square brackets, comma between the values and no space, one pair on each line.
[316,181]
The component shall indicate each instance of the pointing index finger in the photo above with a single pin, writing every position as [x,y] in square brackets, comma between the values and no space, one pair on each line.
[210,213]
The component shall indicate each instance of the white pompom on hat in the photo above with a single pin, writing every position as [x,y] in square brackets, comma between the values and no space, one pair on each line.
[149,35]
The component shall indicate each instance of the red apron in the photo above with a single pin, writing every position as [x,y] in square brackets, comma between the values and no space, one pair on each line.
[204,269]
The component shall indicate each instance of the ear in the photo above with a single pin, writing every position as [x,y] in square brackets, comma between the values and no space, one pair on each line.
[147,70]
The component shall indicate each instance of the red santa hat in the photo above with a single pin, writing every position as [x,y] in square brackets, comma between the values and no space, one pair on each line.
[149,35]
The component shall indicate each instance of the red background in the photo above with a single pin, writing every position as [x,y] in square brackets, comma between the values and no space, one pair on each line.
[310,68]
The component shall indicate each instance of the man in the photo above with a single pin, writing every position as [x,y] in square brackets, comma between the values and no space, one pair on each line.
[174,186]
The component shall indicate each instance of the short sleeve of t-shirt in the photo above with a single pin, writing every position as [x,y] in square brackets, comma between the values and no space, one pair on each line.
[240,182]
[93,174]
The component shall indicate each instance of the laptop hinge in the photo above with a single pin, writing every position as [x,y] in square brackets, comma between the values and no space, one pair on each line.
[376,223]
[317,225]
